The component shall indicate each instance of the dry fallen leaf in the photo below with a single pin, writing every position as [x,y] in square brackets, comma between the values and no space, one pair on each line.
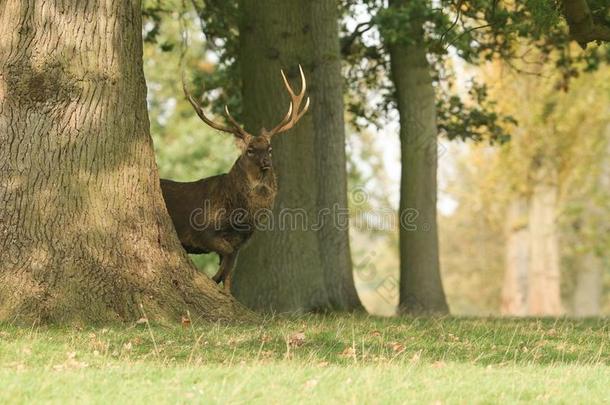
[416,357]
[323,364]
[349,352]
[375,333]
[296,339]
[141,321]
[186,322]
[397,347]
[438,364]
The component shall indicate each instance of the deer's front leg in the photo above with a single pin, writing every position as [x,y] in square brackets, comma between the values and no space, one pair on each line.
[224,274]
[224,249]
[218,276]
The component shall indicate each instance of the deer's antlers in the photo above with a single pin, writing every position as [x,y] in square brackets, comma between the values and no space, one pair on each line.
[293,115]
[234,129]
[290,119]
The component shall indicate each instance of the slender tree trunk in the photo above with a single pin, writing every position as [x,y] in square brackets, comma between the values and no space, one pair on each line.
[586,299]
[421,289]
[514,289]
[588,291]
[302,262]
[84,234]
[543,292]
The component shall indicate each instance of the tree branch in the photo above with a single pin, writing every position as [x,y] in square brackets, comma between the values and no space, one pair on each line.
[346,42]
[582,27]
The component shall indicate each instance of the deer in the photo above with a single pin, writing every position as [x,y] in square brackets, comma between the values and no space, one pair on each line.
[218,214]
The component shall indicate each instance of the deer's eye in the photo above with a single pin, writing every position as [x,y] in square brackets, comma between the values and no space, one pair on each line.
[250,152]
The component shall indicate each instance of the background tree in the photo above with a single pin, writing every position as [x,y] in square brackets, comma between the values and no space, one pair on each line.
[421,288]
[84,233]
[500,187]
[216,63]
[473,31]
[309,267]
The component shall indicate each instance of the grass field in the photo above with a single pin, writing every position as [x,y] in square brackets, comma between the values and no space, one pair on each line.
[312,359]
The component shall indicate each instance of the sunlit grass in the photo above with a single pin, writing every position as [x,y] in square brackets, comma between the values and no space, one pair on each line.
[343,358]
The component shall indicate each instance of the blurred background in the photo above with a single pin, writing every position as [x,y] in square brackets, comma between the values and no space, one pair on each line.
[523,218]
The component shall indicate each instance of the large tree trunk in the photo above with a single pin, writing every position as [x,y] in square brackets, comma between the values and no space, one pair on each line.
[543,291]
[421,289]
[308,268]
[517,263]
[84,234]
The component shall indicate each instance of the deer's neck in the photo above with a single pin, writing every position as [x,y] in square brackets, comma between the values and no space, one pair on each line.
[255,190]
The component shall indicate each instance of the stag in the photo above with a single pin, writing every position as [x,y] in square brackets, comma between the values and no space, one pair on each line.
[218,214]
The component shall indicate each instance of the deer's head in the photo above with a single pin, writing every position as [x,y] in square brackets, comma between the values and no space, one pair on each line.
[256,150]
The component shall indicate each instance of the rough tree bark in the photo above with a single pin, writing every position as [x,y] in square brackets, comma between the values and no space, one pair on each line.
[421,289]
[308,268]
[84,234]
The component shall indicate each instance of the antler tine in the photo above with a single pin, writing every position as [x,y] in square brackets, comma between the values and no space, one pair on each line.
[303,81]
[235,124]
[284,121]
[236,129]
[304,110]
[289,88]
[295,115]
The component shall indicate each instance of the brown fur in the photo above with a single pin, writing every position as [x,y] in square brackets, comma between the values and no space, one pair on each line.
[217,214]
